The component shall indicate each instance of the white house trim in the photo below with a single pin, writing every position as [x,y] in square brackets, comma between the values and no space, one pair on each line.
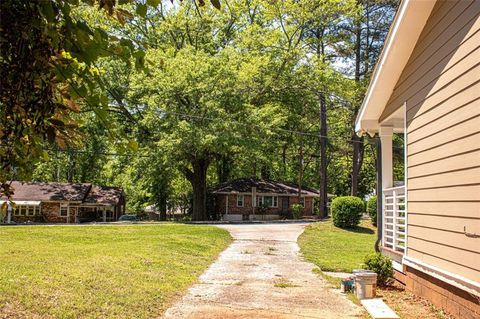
[409,22]
[468,285]
[405,172]
[243,200]
[386,137]
[24,202]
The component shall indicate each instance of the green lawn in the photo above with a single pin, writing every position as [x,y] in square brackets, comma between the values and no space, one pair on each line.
[121,271]
[336,249]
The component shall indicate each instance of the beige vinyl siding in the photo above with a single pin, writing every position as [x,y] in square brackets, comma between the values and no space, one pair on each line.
[462,210]
[453,193]
[448,164]
[453,67]
[443,238]
[461,177]
[446,150]
[466,96]
[448,120]
[437,221]
[440,87]
[434,137]
[454,40]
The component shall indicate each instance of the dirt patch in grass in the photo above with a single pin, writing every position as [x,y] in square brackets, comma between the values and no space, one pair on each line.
[407,305]
[11,311]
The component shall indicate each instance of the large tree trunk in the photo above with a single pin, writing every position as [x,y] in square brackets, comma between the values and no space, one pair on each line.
[284,161]
[323,156]
[163,209]
[265,172]
[198,178]
[323,136]
[357,161]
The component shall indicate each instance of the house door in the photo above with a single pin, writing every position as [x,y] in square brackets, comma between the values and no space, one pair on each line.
[285,204]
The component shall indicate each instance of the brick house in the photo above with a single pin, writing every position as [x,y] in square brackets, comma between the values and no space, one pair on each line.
[259,199]
[64,202]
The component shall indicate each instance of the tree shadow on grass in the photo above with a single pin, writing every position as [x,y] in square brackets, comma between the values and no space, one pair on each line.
[361,230]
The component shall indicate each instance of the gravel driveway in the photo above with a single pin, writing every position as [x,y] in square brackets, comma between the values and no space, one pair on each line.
[262,275]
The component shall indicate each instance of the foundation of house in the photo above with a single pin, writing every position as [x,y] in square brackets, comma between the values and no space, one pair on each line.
[240,217]
[453,300]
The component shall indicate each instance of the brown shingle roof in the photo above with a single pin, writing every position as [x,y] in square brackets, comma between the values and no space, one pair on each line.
[244,185]
[104,195]
[68,192]
[40,191]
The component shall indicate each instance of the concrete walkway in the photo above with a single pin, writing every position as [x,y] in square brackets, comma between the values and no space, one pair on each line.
[261,275]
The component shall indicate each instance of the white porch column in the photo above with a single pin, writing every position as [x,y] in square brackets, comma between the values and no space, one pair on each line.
[386,134]
[9,212]
[104,215]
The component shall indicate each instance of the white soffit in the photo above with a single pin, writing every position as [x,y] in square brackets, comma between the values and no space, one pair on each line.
[406,28]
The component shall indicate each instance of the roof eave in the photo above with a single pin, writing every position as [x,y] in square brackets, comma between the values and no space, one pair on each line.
[406,28]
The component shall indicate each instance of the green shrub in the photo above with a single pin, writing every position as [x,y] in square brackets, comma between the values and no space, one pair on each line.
[380,264]
[372,209]
[347,211]
[297,211]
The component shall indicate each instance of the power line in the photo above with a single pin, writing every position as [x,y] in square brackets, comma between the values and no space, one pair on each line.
[251,126]
[246,125]
[99,153]
[271,128]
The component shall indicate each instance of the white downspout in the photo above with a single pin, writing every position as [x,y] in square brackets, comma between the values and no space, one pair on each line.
[405,171]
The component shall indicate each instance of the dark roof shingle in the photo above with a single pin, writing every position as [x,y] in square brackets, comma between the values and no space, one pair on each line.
[104,195]
[65,192]
[244,185]
[40,191]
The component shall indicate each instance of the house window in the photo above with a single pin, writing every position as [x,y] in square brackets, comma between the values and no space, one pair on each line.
[26,210]
[268,201]
[31,211]
[18,211]
[302,201]
[63,210]
[240,200]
